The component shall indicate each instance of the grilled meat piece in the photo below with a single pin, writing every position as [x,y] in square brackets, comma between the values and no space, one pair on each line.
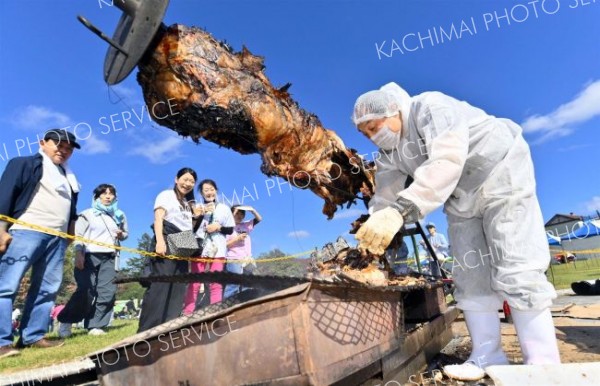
[199,87]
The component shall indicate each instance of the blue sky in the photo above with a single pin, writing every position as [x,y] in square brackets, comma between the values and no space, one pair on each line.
[533,62]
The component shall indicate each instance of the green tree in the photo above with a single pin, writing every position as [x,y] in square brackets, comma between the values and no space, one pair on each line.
[135,264]
[134,267]
[287,267]
[127,291]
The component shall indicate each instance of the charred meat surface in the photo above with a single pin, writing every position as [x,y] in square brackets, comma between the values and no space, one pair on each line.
[199,87]
[337,261]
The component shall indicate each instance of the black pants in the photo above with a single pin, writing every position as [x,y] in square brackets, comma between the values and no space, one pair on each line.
[434,267]
[94,299]
[163,301]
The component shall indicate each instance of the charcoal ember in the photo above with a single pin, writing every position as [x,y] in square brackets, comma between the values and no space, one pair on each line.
[199,87]
[344,260]
[355,259]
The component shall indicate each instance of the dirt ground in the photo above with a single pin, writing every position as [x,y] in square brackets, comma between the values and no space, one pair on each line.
[577,330]
[577,322]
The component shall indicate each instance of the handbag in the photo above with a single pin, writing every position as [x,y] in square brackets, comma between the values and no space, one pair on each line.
[183,244]
[209,248]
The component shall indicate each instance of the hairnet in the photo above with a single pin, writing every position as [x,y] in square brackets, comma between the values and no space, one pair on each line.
[382,103]
[374,104]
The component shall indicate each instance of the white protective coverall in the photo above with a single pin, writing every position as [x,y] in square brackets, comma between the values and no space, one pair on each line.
[480,167]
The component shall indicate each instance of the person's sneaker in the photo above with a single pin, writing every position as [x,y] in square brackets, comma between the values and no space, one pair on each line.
[96,331]
[64,330]
[8,351]
[42,343]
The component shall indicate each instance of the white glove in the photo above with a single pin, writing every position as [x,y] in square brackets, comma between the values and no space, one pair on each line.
[379,230]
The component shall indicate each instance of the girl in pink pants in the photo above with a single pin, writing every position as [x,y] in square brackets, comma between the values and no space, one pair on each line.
[216,289]
[217,221]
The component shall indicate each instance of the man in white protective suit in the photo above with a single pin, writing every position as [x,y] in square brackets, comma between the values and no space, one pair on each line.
[479,167]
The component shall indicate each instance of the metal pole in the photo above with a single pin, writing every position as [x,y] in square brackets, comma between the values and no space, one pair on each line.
[416,249]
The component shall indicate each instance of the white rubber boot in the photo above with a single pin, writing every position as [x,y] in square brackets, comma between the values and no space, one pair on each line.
[484,328]
[537,336]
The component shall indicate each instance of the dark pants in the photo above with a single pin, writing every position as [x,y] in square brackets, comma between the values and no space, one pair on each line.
[94,299]
[163,301]
[434,267]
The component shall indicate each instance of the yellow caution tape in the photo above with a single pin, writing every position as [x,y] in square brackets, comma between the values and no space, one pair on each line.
[65,235]
[580,252]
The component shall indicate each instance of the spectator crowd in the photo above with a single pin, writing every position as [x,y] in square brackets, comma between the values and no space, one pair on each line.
[43,190]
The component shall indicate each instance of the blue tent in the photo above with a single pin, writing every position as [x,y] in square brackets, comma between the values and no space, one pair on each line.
[552,240]
[590,228]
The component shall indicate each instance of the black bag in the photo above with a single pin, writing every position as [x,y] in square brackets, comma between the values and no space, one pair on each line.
[183,244]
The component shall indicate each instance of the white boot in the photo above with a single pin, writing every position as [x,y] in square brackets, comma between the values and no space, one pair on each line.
[537,336]
[484,328]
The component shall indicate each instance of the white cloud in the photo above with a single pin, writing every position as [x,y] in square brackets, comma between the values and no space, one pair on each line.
[160,152]
[575,147]
[564,118]
[39,118]
[349,214]
[593,204]
[94,145]
[299,234]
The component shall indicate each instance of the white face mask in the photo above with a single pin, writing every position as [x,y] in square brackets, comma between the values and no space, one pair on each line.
[386,139]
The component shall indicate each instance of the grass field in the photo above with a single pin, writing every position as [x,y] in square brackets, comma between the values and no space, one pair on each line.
[76,346]
[564,274]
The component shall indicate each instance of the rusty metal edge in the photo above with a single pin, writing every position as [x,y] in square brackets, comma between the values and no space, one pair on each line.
[184,321]
[324,375]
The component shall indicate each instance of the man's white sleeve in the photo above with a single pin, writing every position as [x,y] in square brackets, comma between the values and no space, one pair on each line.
[446,135]
[388,182]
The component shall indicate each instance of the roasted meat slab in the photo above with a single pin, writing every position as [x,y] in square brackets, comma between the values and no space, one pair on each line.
[199,87]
